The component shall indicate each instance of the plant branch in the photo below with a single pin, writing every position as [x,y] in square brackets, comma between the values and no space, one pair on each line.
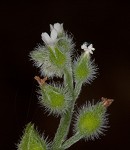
[75,138]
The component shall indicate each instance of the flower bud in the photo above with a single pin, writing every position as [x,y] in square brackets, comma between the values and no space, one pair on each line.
[58,27]
[55,55]
[84,69]
[47,60]
[54,98]
[91,121]
[31,140]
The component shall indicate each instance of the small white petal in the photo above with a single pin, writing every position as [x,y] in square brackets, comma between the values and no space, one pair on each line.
[90,51]
[54,35]
[58,27]
[91,47]
[84,46]
[51,27]
[46,38]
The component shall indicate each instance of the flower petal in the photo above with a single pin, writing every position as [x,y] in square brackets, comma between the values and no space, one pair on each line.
[46,38]
[87,48]
[91,49]
[58,27]
[54,35]
[51,27]
[84,46]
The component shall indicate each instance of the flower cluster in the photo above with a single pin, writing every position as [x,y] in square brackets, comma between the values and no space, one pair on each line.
[55,54]
[56,58]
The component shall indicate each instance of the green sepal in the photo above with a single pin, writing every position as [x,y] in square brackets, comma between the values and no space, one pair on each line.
[31,140]
[54,98]
[91,121]
[41,57]
[57,57]
[84,69]
[81,69]
[65,43]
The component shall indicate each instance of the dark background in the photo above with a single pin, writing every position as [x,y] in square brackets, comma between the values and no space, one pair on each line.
[104,23]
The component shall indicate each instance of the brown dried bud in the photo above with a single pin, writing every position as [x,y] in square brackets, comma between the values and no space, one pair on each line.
[106,102]
[40,81]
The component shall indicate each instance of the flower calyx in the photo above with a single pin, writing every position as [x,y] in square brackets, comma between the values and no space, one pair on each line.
[106,102]
[40,81]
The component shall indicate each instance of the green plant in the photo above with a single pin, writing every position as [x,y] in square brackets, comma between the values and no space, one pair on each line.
[56,58]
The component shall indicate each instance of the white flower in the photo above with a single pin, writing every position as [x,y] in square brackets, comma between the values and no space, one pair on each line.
[50,40]
[58,27]
[87,48]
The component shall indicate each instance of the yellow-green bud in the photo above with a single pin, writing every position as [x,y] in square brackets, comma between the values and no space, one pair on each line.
[91,121]
[84,69]
[54,99]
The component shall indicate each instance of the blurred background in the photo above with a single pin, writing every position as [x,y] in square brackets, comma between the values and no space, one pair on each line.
[104,23]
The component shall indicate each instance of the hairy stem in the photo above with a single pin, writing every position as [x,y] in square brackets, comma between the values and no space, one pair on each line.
[65,121]
[75,138]
[77,89]
[62,131]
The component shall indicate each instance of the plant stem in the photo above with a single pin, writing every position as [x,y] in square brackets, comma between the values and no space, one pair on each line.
[65,121]
[77,89]
[62,131]
[71,140]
